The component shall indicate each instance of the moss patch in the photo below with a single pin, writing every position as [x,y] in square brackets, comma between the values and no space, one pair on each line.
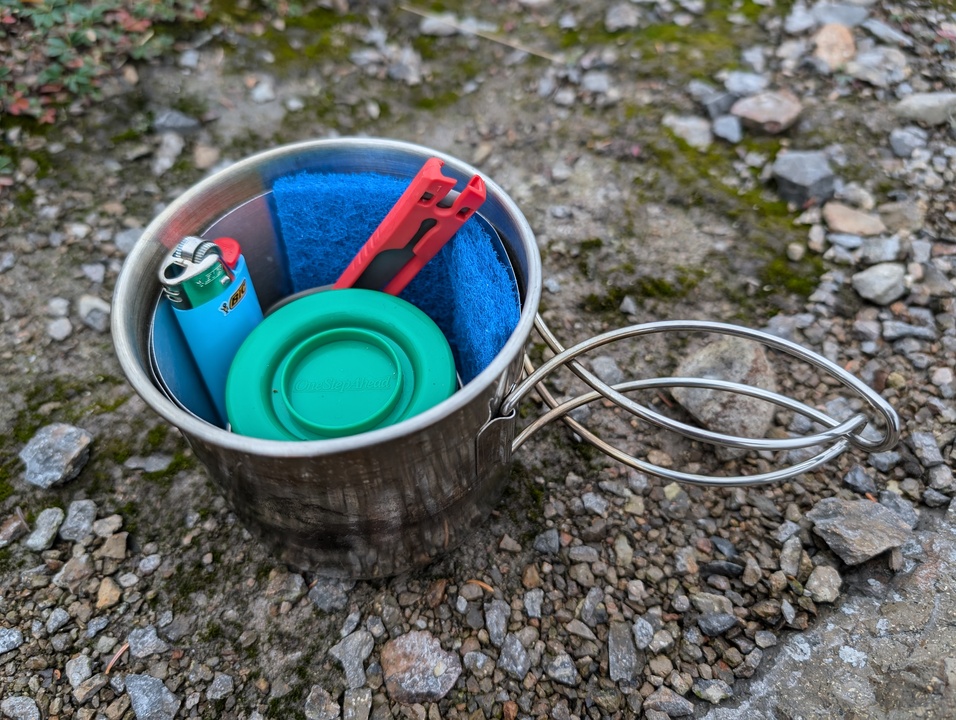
[317,35]
[668,51]
[6,476]
[693,178]
[156,437]
[164,478]
[800,278]
[63,399]
[644,288]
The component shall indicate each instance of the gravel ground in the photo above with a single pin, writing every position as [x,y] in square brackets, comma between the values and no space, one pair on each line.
[780,166]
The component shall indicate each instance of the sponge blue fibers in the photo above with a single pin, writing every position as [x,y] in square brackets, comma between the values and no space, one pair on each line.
[324,219]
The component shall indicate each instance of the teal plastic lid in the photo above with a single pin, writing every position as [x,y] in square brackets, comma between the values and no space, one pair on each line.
[337,363]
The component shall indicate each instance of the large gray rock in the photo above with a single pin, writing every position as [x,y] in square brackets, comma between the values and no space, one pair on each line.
[846,663]
[858,530]
[79,670]
[150,698]
[715,102]
[56,454]
[125,240]
[170,120]
[881,66]
[20,707]
[45,529]
[884,32]
[514,659]
[10,639]
[79,520]
[497,613]
[221,687]
[736,360]
[742,83]
[144,642]
[713,691]
[727,127]
[357,704]
[621,16]
[75,572]
[95,312]
[562,669]
[352,652]
[622,655]
[769,112]
[695,131]
[803,177]
[319,705]
[933,108]
[667,701]
[882,283]
[329,594]
[417,669]
[846,13]
[824,584]
[800,19]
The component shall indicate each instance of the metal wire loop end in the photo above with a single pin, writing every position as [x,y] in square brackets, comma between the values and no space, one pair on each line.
[834,439]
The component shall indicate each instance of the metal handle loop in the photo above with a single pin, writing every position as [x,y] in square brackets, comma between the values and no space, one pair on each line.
[852,431]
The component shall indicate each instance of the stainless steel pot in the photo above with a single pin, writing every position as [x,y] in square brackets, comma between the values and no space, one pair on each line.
[379,503]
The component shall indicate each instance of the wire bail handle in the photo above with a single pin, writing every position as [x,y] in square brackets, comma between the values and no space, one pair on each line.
[835,438]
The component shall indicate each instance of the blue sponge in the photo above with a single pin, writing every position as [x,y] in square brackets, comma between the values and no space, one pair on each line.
[324,219]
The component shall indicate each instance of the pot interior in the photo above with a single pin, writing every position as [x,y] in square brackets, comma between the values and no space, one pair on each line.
[308,218]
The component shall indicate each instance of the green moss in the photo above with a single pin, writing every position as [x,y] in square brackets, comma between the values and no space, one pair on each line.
[189,579]
[156,437]
[800,278]
[8,563]
[30,419]
[130,514]
[128,135]
[320,36]
[692,178]
[214,710]
[164,478]
[285,707]
[25,196]
[191,105]
[251,652]
[633,111]
[213,631]
[6,477]
[586,250]
[290,705]
[56,398]
[115,448]
[644,288]
[263,571]
[657,287]
[588,453]
[709,44]
[427,99]
[426,45]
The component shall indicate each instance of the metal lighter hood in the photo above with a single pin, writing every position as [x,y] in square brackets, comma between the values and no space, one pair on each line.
[194,273]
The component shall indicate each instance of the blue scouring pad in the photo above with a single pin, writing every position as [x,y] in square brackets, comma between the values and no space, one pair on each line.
[325,218]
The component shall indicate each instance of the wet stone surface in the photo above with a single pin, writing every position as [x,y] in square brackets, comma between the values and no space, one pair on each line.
[784,166]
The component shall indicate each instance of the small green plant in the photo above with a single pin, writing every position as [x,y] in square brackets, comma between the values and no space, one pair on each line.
[59,51]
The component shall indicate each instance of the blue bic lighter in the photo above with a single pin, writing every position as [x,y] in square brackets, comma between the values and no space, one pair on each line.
[215,304]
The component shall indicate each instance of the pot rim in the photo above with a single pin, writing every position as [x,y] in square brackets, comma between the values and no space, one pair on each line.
[125,336]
